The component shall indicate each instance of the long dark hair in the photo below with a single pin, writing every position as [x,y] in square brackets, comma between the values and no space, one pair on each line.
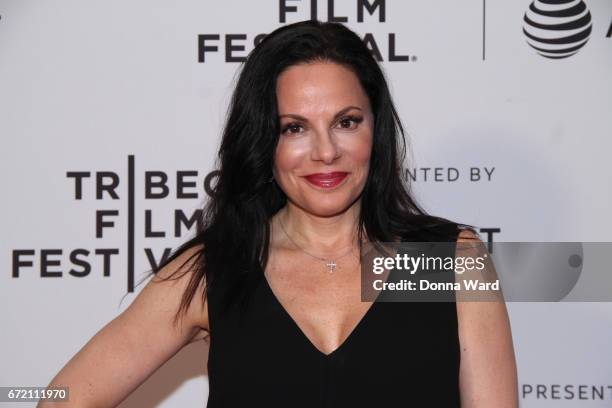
[233,238]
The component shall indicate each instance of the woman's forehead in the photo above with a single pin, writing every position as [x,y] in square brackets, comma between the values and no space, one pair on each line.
[318,87]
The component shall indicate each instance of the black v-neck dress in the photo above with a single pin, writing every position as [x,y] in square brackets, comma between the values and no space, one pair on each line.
[400,354]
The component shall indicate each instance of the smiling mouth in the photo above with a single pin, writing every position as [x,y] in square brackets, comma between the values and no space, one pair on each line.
[326,180]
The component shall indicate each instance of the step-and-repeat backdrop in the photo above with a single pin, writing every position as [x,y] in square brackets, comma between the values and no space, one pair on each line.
[110,115]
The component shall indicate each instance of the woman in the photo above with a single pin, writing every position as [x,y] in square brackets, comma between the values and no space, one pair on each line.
[309,170]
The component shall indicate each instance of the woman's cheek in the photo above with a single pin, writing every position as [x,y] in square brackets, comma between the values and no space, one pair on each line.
[290,155]
[359,147]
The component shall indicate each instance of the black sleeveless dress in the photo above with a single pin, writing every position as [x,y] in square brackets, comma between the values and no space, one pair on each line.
[401,354]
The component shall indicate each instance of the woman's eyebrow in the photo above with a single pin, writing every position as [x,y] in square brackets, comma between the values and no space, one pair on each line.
[299,117]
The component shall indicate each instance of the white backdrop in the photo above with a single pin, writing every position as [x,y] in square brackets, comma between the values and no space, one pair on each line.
[86,84]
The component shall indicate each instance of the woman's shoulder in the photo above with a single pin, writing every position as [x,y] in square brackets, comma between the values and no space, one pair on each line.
[430,228]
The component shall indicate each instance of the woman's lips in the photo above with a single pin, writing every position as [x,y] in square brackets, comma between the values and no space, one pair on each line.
[326,180]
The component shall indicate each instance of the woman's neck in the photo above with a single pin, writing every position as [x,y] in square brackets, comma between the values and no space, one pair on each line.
[322,235]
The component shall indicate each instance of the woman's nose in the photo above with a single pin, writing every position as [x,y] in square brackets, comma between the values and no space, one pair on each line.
[324,147]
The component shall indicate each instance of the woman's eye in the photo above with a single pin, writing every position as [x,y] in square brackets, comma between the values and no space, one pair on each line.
[292,128]
[349,122]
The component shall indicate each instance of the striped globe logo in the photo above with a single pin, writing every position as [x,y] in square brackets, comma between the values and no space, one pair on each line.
[557,28]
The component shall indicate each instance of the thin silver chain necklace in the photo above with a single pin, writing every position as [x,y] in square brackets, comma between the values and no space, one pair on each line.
[330,263]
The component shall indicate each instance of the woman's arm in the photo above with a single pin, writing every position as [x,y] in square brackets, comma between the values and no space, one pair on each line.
[125,352]
[488,375]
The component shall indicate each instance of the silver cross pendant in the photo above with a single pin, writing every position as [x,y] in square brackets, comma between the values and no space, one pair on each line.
[332,266]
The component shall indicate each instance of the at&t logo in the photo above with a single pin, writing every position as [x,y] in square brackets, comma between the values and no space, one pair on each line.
[557,28]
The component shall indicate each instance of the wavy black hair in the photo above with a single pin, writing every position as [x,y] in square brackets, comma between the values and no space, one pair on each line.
[234,236]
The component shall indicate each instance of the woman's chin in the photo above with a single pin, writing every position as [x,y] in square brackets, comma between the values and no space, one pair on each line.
[329,207]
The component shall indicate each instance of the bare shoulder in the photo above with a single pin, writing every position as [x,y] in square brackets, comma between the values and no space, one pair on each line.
[488,375]
[467,235]
[176,278]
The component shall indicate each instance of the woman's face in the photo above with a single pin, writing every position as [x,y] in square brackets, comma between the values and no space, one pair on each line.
[323,153]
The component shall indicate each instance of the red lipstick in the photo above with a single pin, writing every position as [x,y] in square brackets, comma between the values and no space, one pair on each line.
[326,180]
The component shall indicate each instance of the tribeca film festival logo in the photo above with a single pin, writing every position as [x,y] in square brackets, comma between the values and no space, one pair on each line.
[234,46]
[104,185]
[90,186]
